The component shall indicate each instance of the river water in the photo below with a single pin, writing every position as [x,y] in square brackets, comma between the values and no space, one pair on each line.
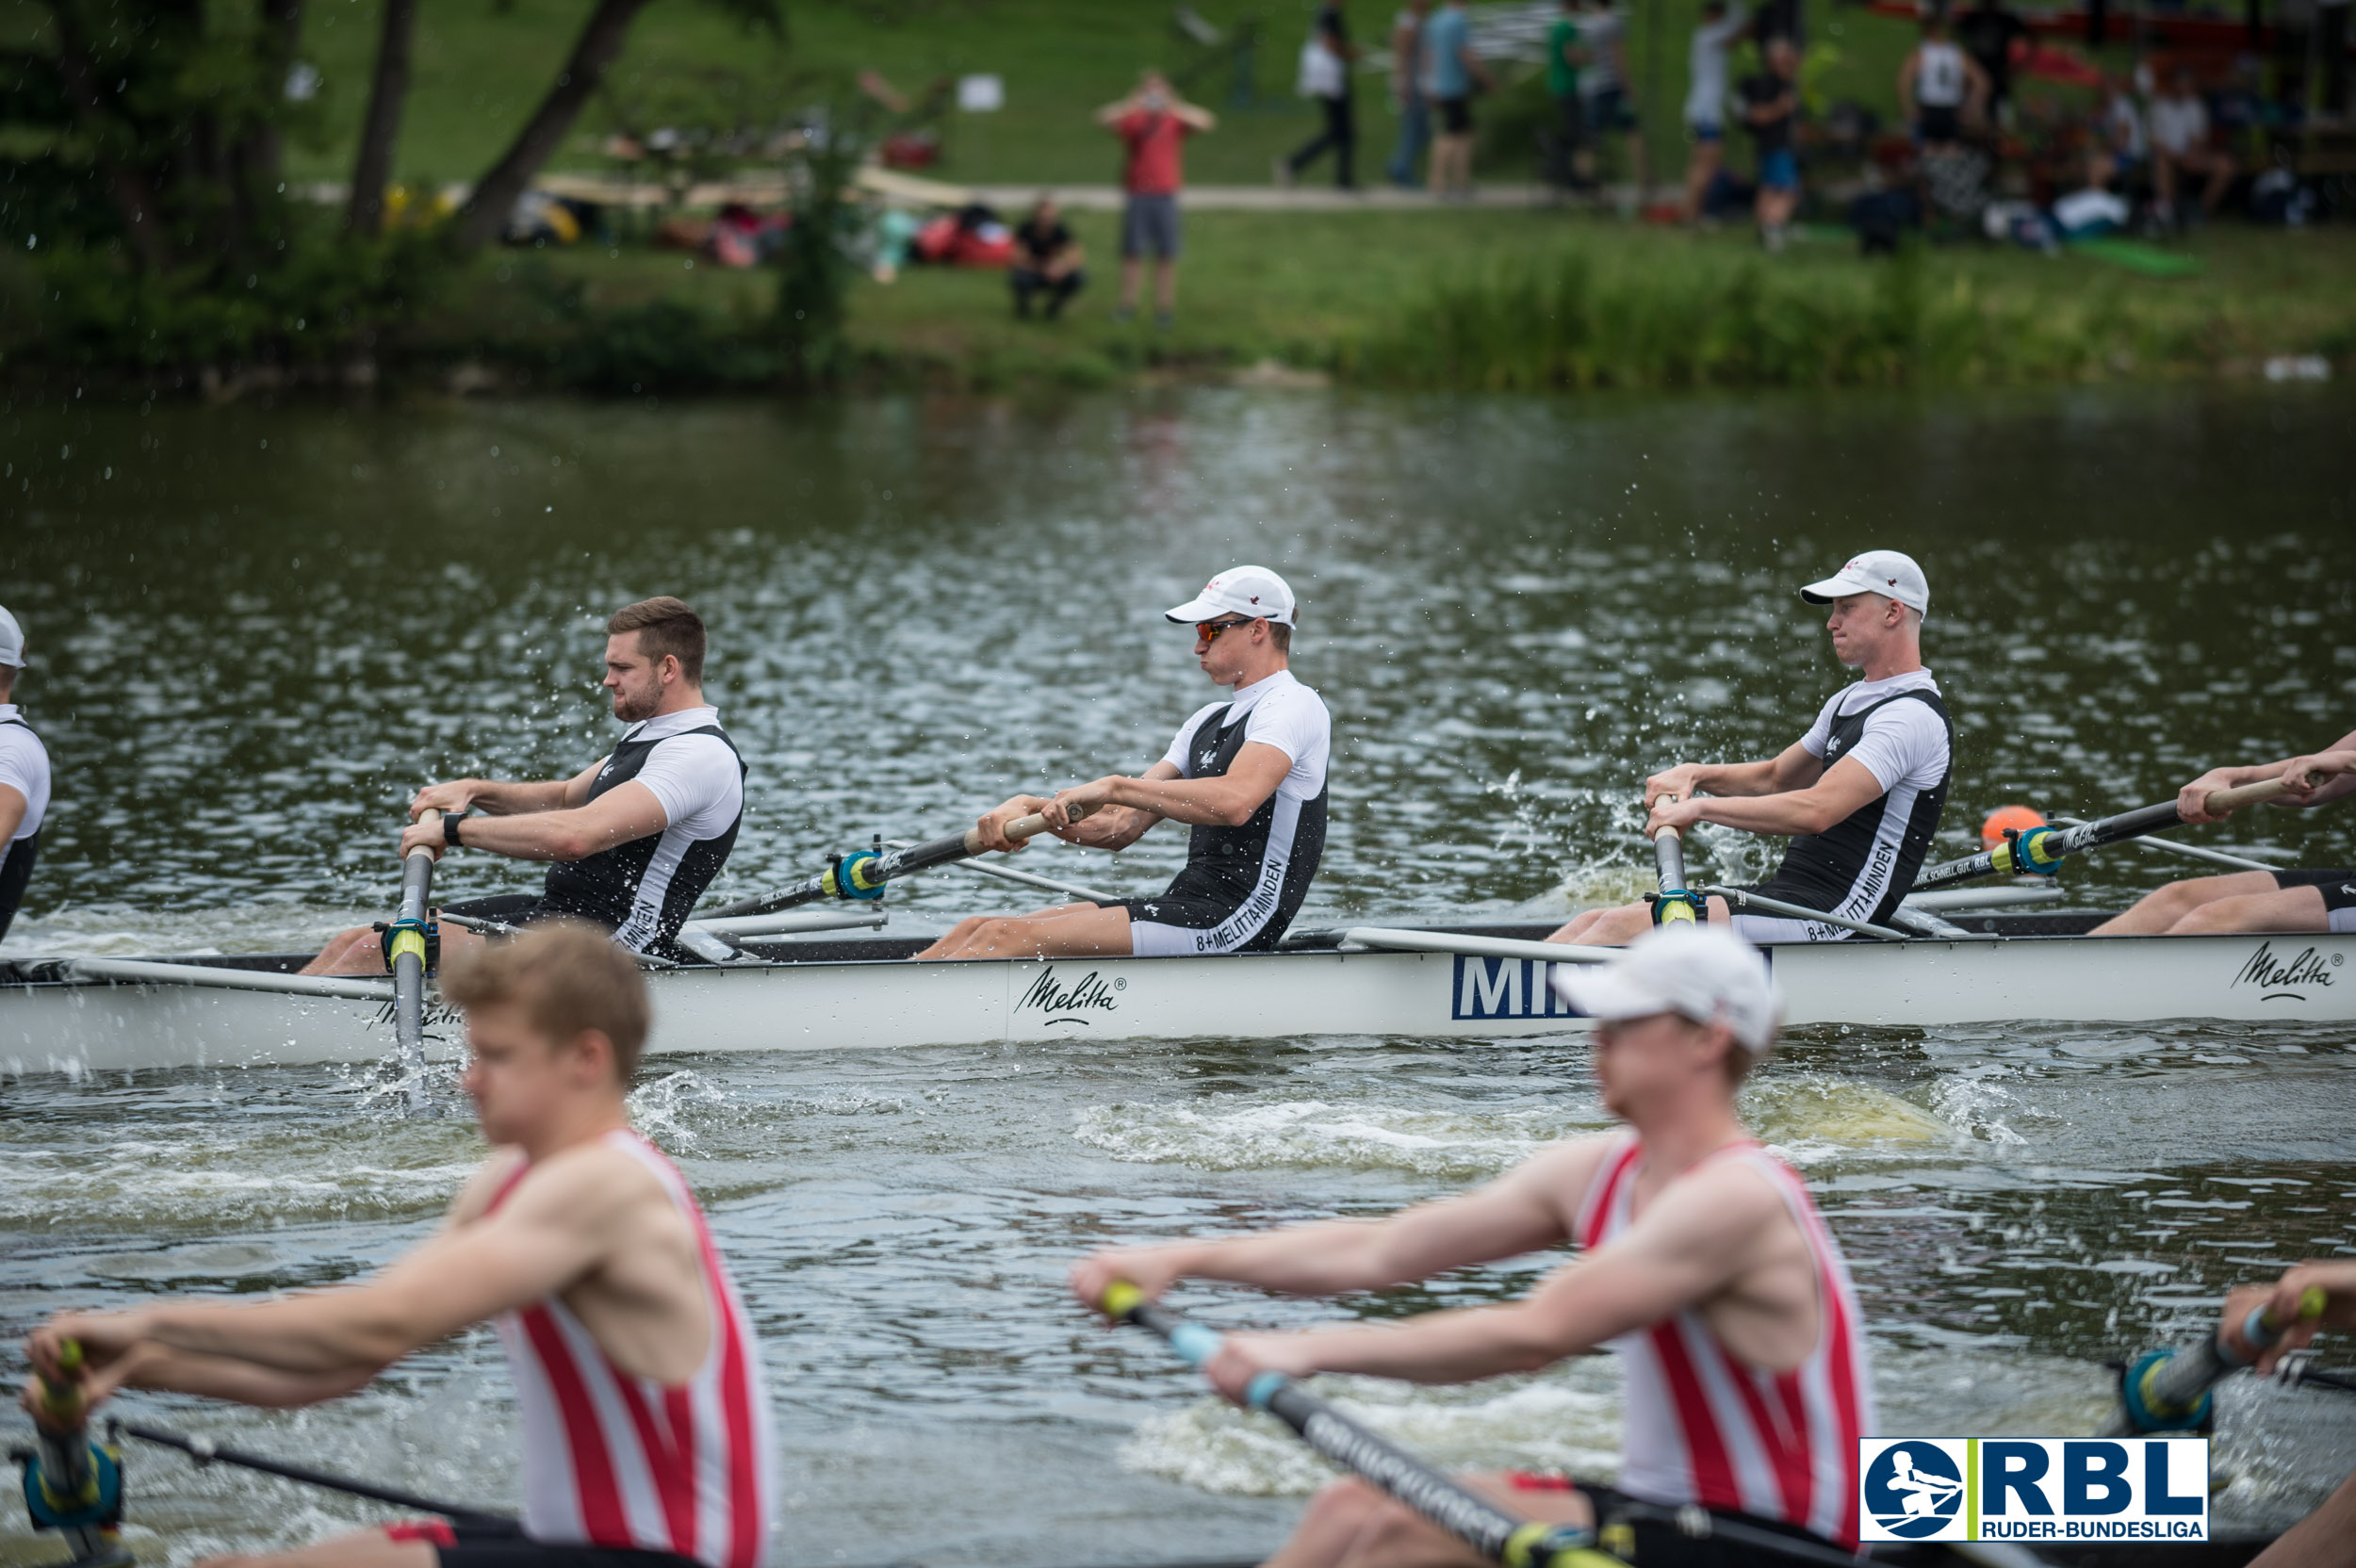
[255,629]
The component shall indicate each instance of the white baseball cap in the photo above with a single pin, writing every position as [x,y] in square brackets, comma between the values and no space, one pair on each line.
[1252,591]
[1892,575]
[1705,972]
[11,642]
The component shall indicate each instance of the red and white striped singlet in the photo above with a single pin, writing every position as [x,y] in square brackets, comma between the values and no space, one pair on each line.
[613,1460]
[1704,1426]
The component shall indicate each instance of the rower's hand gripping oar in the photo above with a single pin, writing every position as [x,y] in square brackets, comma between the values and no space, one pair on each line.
[861,873]
[1439,1497]
[2167,1391]
[1673,905]
[406,942]
[72,1485]
[2041,851]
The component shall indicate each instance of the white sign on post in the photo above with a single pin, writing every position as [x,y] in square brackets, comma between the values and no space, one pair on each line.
[981,94]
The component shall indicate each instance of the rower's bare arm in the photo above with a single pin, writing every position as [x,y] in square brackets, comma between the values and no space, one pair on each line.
[12,809]
[495,798]
[1795,769]
[165,1370]
[1845,789]
[1696,1240]
[557,1226]
[1227,801]
[1521,1212]
[2192,800]
[626,813]
[2317,779]
[2336,1278]
[1116,827]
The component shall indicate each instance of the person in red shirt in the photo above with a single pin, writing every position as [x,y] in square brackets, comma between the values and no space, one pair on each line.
[1152,124]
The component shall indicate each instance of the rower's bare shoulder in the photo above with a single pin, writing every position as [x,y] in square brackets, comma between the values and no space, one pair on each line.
[476,1195]
[1726,1197]
[594,1184]
[1560,1174]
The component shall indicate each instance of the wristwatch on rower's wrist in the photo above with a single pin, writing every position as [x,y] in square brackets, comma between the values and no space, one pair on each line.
[450,827]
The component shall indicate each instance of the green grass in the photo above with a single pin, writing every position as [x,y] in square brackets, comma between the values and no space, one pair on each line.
[481,66]
[1387,297]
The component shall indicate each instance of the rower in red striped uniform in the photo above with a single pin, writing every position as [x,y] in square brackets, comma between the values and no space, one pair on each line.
[1703,1262]
[645,1433]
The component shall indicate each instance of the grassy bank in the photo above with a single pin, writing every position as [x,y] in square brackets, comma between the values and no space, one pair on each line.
[1481,298]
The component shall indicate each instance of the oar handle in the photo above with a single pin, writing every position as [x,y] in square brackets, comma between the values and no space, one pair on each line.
[426,818]
[1674,905]
[2168,1390]
[1022,827]
[2219,802]
[65,1408]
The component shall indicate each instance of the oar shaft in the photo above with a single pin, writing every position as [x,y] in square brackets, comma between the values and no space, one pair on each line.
[2041,851]
[408,940]
[1414,1481]
[2171,1387]
[871,873]
[205,1452]
[1671,903]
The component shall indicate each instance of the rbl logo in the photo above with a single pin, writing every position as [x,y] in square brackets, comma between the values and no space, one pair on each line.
[2057,1489]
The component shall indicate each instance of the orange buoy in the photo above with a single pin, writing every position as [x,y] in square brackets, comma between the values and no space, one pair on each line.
[2018,818]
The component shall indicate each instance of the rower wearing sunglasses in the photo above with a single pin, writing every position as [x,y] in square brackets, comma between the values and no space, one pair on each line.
[1247,774]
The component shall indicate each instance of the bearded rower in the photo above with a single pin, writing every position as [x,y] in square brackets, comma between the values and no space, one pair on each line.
[635,837]
[1247,774]
[1860,793]
[2306,900]
[644,1430]
[1703,1263]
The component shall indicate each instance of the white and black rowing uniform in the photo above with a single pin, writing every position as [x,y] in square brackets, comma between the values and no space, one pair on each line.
[641,890]
[24,768]
[1242,886]
[1863,866]
[2338,887]
[1941,83]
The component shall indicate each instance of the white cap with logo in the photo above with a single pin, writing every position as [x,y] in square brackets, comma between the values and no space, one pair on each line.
[1703,973]
[11,642]
[1252,591]
[1892,575]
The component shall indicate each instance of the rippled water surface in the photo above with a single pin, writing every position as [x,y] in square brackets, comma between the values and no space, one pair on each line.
[255,631]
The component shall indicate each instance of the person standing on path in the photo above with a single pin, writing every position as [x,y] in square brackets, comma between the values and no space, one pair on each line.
[1325,76]
[1152,124]
[1564,55]
[1939,87]
[1415,110]
[1450,73]
[1706,100]
[24,780]
[1987,33]
[1603,83]
[1771,108]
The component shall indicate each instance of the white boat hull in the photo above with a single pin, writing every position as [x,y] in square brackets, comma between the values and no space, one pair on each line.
[83,1028]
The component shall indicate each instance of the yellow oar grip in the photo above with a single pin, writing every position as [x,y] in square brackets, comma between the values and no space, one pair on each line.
[408,940]
[1119,1298]
[64,1406]
[2311,1303]
[1525,1548]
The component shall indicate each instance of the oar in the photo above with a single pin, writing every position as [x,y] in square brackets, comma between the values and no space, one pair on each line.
[1416,1481]
[2041,851]
[205,1452]
[863,872]
[1673,905]
[404,944]
[2167,1391]
[71,1485]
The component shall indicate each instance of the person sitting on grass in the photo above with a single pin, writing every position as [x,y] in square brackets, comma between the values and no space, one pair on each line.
[2181,145]
[1046,261]
[1771,107]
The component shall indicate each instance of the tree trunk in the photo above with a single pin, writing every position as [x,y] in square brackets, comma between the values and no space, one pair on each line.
[600,42]
[134,198]
[373,169]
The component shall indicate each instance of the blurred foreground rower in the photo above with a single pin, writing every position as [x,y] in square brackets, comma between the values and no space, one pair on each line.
[1247,774]
[645,1431]
[2310,900]
[1704,1262]
[1860,793]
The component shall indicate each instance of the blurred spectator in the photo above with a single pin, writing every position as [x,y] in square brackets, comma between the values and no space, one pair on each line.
[2118,150]
[1046,261]
[1771,107]
[1603,82]
[2180,145]
[1325,77]
[1451,72]
[1988,33]
[1152,124]
[1564,55]
[1706,99]
[1938,86]
[1415,110]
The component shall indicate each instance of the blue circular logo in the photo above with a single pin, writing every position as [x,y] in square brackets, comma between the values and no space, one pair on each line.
[1913,1489]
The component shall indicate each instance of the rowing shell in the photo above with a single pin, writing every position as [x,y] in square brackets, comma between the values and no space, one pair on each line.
[834,994]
